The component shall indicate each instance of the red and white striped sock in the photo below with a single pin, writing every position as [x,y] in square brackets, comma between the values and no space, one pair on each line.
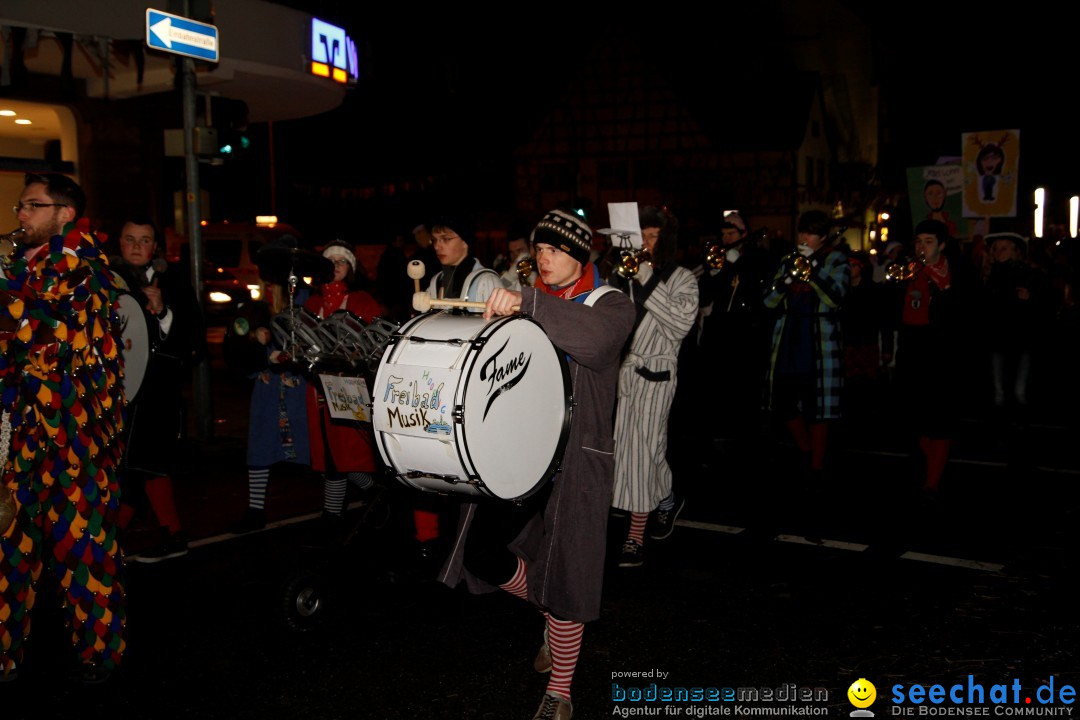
[518,586]
[564,641]
[637,527]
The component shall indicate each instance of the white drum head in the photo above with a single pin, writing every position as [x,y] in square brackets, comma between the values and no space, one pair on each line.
[135,338]
[516,418]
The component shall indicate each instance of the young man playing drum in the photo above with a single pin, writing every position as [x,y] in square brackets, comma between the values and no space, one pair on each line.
[549,550]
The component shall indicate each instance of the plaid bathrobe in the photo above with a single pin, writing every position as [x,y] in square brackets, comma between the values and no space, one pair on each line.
[829,281]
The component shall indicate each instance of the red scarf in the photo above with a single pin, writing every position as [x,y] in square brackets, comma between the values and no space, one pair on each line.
[333,297]
[584,285]
[917,296]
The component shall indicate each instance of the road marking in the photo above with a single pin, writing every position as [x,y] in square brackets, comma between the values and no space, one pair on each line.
[712,527]
[225,537]
[851,547]
[954,562]
[966,461]
[835,544]
[729,529]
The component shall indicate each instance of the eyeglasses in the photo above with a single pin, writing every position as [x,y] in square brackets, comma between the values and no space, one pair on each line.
[341,261]
[30,207]
[144,241]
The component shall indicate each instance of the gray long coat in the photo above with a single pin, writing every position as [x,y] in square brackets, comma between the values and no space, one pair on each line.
[565,545]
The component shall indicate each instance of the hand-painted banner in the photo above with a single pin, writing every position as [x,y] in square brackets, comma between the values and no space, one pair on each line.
[935,192]
[347,398]
[991,166]
[412,402]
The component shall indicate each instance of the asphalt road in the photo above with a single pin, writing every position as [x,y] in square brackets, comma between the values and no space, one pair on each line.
[766,582]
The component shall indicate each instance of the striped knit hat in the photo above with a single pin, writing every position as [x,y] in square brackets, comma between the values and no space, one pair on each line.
[340,249]
[566,231]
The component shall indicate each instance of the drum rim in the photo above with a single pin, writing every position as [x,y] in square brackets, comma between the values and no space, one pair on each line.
[394,349]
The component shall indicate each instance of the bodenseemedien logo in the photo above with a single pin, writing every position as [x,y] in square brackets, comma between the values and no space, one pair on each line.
[861,694]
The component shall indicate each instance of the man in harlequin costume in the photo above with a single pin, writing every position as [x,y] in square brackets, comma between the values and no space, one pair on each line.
[60,379]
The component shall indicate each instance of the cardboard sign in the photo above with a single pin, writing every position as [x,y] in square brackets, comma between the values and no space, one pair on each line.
[347,397]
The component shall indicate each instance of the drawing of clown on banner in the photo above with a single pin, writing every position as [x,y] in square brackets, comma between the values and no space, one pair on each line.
[935,192]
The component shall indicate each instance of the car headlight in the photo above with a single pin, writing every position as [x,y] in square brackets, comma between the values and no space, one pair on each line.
[256,293]
[220,297]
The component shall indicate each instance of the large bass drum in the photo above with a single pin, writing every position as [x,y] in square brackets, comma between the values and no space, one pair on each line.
[468,406]
[135,335]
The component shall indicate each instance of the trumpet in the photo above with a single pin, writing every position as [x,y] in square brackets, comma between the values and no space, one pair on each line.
[716,253]
[802,266]
[902,271]
[9,244]
[630,261]
[715,256]
[526,268]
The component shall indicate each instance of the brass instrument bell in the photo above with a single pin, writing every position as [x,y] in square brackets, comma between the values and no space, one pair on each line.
[801,268]
[9,244]
[899,271]
[630,262]
[526,267]
[715,256]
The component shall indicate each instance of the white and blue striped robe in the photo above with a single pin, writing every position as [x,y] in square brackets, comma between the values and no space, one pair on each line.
[642,474]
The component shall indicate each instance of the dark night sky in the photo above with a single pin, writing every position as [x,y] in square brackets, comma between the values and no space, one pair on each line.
[445,90]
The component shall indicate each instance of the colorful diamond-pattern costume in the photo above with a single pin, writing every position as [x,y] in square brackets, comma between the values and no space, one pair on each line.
[60,368]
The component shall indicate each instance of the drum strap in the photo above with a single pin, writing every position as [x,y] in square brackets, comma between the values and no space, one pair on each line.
[466,287]
[599,293]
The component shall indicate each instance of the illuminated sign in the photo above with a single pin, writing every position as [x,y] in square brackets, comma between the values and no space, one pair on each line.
[333,53]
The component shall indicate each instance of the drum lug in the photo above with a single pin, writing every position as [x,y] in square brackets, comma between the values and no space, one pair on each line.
[458,414]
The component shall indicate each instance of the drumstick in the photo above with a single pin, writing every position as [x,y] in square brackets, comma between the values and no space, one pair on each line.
[416,271]
[422,302]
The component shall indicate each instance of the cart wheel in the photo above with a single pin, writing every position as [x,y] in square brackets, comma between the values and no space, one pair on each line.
[305,602]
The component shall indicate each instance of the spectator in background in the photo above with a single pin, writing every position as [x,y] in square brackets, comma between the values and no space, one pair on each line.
[177,337]
[1019,311]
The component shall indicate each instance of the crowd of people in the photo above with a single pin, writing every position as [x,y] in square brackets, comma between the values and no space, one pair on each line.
[806,336]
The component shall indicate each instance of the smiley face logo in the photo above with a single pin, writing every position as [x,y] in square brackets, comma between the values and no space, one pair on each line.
[862,693]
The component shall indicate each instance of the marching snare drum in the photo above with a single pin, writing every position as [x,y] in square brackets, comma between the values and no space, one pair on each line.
[469,406]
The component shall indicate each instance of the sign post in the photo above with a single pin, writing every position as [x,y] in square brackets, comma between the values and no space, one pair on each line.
[189,39]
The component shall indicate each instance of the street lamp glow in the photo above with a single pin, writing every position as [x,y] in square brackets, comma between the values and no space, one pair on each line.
[1040,201]
[1074,211]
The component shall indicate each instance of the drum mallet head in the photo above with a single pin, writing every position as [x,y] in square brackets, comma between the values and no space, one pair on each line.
[416,271]
[421,301]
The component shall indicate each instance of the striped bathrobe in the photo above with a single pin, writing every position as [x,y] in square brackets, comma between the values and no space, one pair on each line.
[667,310]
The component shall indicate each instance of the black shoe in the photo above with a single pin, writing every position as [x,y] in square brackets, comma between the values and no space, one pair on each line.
[93,674]
[171,546]
[253,519]
[633,555]
[665,520]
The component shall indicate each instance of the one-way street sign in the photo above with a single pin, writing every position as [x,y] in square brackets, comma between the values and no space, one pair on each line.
[181,35]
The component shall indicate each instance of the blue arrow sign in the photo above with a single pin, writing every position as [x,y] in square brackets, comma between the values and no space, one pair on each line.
[181,35]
